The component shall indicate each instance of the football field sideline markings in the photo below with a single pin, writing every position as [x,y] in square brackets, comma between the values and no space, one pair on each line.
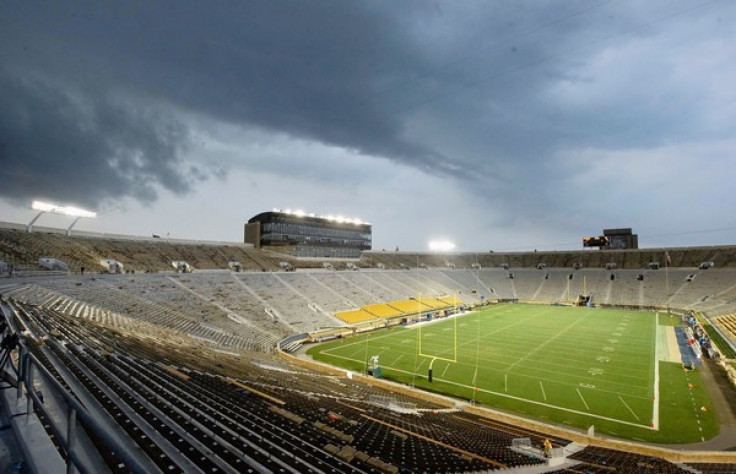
[508,353]
[564,331]
[510,348]
[536,376]
[634,381]
[513,397]
[581,398]
[483,321]
[627,406]
[471,340]
[364,341]
[655,402]
[355,354]
[543,394]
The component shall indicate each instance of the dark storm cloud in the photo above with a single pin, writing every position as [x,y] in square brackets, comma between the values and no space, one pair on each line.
[80,146]
[461,89]
[306,70]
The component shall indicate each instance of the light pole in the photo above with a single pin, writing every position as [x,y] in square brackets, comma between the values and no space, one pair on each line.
[44,207]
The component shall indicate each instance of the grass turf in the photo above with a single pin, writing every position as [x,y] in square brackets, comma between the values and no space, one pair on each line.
[576,366]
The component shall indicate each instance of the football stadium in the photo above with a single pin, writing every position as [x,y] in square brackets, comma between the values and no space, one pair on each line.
[505,243]
[135,354]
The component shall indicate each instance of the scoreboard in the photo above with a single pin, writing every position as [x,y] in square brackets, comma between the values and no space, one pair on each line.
[600,241]
[611,239]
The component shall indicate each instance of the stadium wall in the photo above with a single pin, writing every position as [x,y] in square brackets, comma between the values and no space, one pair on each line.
[102,235]
[721,256]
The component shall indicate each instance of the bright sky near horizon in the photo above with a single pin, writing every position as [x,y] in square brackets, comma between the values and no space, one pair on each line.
[504,125]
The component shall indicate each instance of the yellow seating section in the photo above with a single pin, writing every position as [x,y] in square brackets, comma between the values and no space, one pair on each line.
[433,303]
[396,308]
[382,310]
[450,300]
[728,323]
[407,306]
[355,316]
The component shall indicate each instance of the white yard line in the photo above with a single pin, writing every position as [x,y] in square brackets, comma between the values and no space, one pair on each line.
[355,354]
[581,398]
[529,354]
[627,406]
[360,341]
[533,402]
[543,394]
[625,387]
[655,407]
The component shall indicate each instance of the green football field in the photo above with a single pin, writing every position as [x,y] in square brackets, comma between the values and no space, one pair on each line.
[576,366]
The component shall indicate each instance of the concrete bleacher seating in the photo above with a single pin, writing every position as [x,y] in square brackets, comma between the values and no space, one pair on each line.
[256,309]
[722,256]
[728,324]
[276,416]
[140,255]
[315,410]
[617,461]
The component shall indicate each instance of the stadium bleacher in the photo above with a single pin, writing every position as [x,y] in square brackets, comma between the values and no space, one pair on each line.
[184,364]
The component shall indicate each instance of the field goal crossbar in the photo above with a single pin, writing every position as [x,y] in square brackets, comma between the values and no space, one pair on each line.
[436,357]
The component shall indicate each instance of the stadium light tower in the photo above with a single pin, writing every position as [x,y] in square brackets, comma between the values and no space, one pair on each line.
[43,207]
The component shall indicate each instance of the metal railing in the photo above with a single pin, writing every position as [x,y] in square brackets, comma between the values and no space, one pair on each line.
[28,369]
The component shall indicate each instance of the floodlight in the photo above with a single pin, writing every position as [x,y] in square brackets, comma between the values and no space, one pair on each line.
[43,206]
[441,246]
[340,219]
[57,209]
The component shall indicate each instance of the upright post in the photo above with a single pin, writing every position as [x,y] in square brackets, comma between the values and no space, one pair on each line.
[667,279]
[71,437]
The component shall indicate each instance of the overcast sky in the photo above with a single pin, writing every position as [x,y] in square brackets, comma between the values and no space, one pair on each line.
[505,125]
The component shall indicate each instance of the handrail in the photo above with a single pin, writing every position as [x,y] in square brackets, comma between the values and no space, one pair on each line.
[30,367]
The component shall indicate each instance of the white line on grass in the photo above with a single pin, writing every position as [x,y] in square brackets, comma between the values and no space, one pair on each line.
[627,406]
[655,407]
[355,354]
[581,397]
[446,367]
[533,402]
[543,394]
[360,340]
[549,340]
[471,342]
[397,360]
[550,374]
